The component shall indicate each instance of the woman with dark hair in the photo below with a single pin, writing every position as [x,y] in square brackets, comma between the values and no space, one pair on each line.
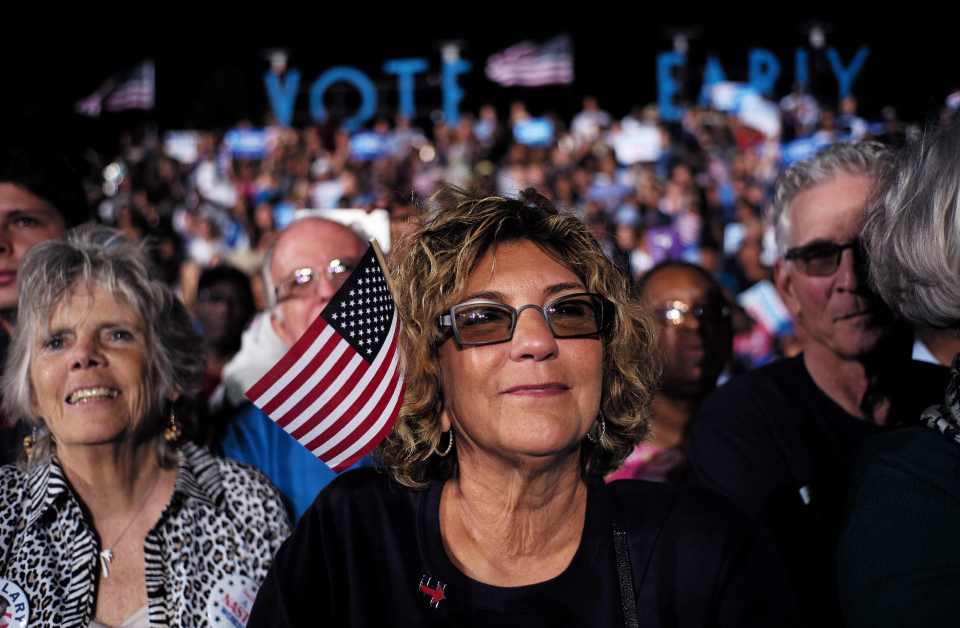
[529,370]
[899,559]
[110,520]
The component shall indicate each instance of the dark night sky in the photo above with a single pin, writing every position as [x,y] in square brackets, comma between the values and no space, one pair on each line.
[207,78]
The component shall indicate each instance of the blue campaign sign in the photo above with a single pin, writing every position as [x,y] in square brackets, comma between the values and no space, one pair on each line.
[246,143]
[536,132]
[367,146]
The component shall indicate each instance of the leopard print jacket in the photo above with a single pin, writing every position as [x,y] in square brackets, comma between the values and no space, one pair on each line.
[204,559]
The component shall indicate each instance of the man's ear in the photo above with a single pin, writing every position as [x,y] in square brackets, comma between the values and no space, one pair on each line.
[279,328]
[783,279]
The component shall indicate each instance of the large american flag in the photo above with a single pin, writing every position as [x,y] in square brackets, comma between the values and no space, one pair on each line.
[529,65]
[339,388]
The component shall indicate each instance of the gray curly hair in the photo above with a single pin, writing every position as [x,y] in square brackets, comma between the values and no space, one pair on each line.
[912,232]
[91,255]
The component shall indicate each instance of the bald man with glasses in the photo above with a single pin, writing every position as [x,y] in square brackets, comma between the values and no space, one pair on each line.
[309,261]
[778,440]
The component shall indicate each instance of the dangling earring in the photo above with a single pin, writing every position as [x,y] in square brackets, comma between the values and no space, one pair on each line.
[173,431]
[603,430]
[30,441]
[446,451]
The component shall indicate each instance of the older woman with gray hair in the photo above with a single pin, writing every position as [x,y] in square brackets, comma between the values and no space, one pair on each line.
[899,559]
[110,520]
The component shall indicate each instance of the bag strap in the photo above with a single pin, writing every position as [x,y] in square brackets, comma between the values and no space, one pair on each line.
[636,533]
[628,599]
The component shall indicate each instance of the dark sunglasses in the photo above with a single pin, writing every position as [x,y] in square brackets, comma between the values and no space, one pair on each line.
[820,259]
[581,315]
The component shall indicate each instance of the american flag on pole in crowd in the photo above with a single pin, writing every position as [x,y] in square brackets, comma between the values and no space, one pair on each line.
[529,65]
[339,388]
[133,90]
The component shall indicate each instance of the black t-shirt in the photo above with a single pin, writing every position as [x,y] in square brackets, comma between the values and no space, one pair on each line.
[780,448]
[898,556]
[369,553]
[584,593]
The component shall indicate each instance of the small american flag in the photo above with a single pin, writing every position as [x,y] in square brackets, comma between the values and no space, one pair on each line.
[529,65]
[137,91]
[339,388]
[133,90]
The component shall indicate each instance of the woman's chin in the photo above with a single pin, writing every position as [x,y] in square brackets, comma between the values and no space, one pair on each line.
[92,439]
[545,448]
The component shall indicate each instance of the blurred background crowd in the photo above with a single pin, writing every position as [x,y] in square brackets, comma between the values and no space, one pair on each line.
[695,190]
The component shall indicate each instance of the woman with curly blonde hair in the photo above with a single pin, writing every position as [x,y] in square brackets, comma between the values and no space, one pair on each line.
[529,371]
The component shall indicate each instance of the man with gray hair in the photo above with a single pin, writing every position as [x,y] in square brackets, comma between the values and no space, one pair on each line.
[303,269]
[778,440]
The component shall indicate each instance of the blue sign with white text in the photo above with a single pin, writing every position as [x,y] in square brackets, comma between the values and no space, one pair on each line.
[537,132]
[246,143]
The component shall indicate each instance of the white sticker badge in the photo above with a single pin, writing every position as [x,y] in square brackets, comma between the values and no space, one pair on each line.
[231,602]
[14,605]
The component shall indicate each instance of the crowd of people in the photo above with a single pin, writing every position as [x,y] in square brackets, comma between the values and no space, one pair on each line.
[705,324]
[650,191]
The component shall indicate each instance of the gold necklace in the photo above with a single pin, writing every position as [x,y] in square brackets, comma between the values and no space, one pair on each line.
[106,555]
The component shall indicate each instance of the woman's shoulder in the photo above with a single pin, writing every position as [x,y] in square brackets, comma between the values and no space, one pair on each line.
[240,476]
[367,494]
[237,487]
[15,507]
[363,486]
[911,458]
[13,485]
[12,473]
[677,508]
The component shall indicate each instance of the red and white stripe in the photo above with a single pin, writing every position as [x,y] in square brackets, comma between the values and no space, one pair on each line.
[530,65]
[331,400]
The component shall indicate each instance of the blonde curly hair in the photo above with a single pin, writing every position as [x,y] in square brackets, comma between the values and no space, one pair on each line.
[433,266]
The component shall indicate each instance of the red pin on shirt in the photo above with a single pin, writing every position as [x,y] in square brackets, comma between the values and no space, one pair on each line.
[436,593]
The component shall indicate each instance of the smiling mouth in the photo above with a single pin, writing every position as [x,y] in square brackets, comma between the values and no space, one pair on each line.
[85,395]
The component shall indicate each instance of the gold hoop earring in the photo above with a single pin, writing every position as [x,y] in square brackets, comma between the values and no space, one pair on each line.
[173,431]
[30,441]
[603,430]
[443,454]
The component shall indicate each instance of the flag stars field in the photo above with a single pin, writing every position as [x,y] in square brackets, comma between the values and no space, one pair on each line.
[339,388]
